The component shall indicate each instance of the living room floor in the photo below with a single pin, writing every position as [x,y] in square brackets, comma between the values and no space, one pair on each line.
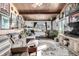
[52,48]
[48,47]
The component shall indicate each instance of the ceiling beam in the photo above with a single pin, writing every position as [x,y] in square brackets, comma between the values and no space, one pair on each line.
[38,20]
[38,12]
[29,19]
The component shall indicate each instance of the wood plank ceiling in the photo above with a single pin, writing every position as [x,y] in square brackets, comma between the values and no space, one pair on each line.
[44,11]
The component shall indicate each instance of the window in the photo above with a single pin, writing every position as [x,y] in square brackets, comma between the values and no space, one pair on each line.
[4,22]
[13,20]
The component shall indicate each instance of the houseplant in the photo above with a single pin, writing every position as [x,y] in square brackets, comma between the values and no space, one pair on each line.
[53,34]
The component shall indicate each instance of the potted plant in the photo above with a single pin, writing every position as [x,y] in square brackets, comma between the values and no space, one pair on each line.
[53,34]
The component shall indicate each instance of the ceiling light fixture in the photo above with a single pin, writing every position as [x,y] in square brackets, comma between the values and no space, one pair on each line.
[37,4]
